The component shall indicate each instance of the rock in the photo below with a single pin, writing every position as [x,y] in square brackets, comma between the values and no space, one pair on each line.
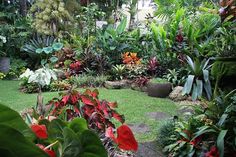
[117,84]
[149,149]
[139,128]
[160,90]
[158,115]
[176,94]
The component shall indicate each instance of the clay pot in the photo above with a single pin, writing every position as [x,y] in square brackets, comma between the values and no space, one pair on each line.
[160,90]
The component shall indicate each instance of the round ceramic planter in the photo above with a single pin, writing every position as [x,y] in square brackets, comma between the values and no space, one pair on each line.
[4,64]
[160,90]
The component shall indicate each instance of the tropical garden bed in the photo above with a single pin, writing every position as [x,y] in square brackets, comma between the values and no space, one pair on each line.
[79,76]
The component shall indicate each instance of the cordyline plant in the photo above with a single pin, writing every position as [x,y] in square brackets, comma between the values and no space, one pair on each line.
[98,115]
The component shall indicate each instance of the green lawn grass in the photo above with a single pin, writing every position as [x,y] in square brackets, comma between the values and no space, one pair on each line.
[133,104]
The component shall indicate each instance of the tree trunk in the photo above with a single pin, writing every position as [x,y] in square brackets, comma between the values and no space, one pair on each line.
[23,7]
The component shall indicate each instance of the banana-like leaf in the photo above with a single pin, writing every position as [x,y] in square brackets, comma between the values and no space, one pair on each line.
[220,142]
[121,27]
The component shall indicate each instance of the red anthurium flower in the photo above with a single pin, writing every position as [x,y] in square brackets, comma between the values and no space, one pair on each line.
[40,131]
[213,152]
[125,138]
[51,153]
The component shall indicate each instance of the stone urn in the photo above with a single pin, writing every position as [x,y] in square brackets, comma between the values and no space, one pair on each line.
[4,64]
[160,90]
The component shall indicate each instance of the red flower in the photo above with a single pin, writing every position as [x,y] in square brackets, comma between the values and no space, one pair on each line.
[213,152]
[76,67]
[51,153]
[196,140]
[179,38]
[40,131]
[125,138]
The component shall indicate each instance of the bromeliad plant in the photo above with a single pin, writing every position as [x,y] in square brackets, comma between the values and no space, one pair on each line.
[198,80]
[98,114]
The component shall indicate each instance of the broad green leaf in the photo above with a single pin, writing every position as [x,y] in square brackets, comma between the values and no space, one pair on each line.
[207,87]
[57,46]
[222,119]
[205,75]
[53,59]
[12,119]
[190,63]
[220,142]
[203,130]
[92,145]
[71,146]
[78,125]
[55,128]
[121,27]
[39,51]
[188,84]
[13,142]
[48,50]
[199,87]
[194,92]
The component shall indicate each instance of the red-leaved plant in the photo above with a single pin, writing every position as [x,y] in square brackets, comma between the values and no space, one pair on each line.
[98,115]
[75,67]
[152,65]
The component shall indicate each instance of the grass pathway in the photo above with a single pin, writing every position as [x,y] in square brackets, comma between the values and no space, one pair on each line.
[133,104]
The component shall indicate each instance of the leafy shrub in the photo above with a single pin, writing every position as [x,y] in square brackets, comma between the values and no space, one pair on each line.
[97,113]
[209,131]
[118,72]
[166,134]
[90,81]
[134,71]
[176,77]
